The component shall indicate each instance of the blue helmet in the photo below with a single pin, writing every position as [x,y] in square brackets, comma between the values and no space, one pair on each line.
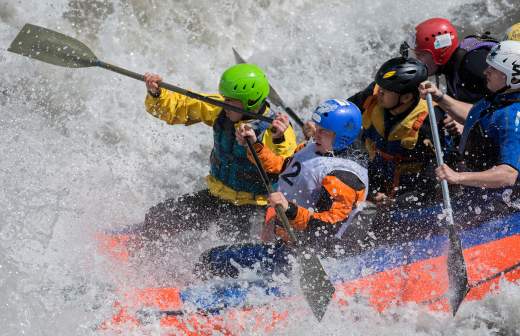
[341,117]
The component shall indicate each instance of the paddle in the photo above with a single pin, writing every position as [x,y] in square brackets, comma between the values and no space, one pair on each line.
[274,97]
[457,274]
[55,48]
[314,282]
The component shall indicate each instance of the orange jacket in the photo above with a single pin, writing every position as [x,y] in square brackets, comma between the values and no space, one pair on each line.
[340,193]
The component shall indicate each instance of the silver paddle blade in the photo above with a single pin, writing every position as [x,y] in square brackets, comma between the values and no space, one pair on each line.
[315,284]
[458,276]
[52,47]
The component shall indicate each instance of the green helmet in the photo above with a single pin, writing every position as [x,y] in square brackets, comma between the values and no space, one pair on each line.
[246,83]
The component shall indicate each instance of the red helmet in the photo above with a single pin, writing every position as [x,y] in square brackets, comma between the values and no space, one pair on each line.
[438,37]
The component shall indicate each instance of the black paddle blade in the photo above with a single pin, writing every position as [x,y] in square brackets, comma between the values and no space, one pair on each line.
[457,274]
[52,47]
[315,284]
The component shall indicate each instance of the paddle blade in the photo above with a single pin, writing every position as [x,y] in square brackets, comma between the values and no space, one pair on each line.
[52,47]
[315,284]
[274,97]
[457,274]
[238,58]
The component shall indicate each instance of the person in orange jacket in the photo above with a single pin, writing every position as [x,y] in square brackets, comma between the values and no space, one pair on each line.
[322,185]
[320,188]
[234,192]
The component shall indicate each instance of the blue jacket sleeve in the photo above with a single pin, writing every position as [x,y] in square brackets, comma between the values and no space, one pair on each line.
[510,137]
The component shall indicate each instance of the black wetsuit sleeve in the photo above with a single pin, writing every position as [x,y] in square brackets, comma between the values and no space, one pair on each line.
[472,71]
[359,98]
[475,63]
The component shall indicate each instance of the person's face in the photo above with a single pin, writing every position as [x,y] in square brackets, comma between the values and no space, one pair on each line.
[427,59]
[324,139]
[496,79]
[232,115]
[387,99]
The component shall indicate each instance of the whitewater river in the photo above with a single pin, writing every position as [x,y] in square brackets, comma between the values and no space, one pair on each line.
[79,154]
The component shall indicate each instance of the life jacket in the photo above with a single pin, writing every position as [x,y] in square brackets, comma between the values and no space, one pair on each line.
[301,181]
[462,84]
[229,163]
[391,154]
[479,150]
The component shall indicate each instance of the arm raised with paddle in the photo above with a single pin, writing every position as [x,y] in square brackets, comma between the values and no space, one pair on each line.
[55,48]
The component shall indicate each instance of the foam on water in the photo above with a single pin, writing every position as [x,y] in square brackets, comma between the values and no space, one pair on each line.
[79,154]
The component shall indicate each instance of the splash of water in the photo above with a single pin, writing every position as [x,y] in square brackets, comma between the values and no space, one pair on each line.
[81,155]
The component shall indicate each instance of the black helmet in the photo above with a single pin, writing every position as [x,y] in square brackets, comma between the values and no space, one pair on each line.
[401,75]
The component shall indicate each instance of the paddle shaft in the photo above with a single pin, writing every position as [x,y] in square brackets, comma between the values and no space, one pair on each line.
[182,91]
[56,48]
[293,115]
[279,209]
[457,272]
[314,281]
[440,161]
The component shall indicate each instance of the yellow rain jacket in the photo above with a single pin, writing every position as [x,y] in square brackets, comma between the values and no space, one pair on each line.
[232,176]
[397,158]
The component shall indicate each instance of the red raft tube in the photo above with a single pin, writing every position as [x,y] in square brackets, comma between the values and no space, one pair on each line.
[390,273]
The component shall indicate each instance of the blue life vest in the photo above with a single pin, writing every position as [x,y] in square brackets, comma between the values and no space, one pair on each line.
[479,145]
[229,163]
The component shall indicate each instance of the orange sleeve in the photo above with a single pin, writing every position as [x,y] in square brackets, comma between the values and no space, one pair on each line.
[343,198]
[273,164]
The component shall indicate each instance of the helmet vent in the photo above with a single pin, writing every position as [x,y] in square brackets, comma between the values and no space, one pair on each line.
[411,72]
[253,86]
[504,60]
[236,85]
[244,87]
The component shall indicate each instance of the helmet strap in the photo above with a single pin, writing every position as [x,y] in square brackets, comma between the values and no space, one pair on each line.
[263,107]
[415,101]
[396,104]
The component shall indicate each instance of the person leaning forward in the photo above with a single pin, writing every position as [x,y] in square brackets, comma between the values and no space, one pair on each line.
[397,134]
[234,191]
[322,185]
[321,189]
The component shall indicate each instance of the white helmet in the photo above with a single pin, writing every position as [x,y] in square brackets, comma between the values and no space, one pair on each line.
[505,57]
